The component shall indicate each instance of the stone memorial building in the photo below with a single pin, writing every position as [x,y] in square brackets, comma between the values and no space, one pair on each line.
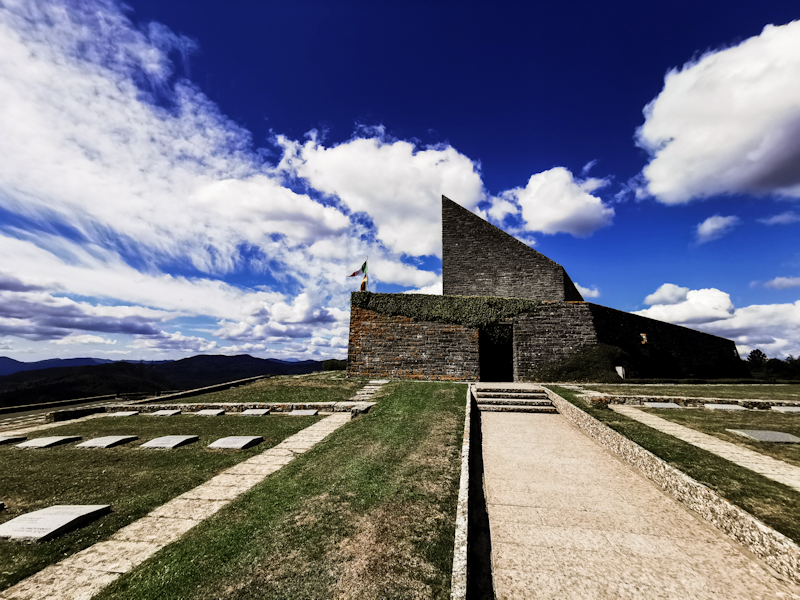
[506,311]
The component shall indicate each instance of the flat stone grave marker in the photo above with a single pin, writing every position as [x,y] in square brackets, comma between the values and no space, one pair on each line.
[108,441]
[171,441]
[786,409]
[255,412]
[12,439]
[724,407]
[47,523]
[378,381]
[304,413]
[165,413]
[124,413]
[49,442]
[210,412]
[764,435]
[661,405]
[237,442]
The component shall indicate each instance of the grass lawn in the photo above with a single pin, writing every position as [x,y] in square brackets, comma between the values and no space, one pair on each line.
[133,481]
[773,503]
[368,513]
[326,386]
[778,391]
[715,422]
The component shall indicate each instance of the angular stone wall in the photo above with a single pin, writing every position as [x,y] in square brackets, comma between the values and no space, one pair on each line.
[400,347]
[478,259]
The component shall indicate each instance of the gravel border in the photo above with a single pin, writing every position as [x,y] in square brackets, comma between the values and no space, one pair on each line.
[458,581]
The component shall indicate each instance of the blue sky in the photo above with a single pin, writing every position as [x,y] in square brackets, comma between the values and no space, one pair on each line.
[188,176]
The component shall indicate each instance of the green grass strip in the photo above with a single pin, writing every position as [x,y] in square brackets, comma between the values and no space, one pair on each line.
[368,513]
[769,501]
[132,480]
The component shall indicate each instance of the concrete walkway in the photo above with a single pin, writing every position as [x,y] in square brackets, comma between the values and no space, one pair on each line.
[774,469]
[570,520]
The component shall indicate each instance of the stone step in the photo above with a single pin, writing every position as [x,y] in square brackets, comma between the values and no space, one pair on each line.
[516,401]
[508,390]
[525,395]
[512,408]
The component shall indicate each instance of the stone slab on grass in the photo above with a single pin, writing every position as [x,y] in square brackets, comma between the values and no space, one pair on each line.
[12,439]
[48,523]
[171,441]
[113,556]
[304,413]
[49,442]
[58,582]
[124,413]
[764,435]
[236,442]
[255,412]
[210,412]
[184,508]
[378,381]
[661,405]
[108,441]
[724,407]
[155,529]
[787,409]
[165,413]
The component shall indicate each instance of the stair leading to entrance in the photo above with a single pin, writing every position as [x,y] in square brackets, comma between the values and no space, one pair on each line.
[512,398]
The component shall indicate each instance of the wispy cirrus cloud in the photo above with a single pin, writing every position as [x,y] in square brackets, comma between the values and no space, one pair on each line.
[715,227]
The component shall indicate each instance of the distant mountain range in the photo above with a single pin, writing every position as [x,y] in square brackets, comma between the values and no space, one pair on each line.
[63,379]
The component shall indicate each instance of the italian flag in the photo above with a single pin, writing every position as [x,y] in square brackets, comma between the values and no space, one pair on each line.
[363,269]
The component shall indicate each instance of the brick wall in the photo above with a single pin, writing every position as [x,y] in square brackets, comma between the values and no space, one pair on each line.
[551,333]
[478,259]
[397,346]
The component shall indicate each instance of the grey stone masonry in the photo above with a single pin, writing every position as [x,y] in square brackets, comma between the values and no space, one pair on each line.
[478,259]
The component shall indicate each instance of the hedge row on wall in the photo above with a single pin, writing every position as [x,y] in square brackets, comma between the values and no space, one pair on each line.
[470,311]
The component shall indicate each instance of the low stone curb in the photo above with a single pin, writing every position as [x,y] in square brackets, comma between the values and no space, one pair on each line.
[458,580]
[601,398]
[354,408]
[774,548]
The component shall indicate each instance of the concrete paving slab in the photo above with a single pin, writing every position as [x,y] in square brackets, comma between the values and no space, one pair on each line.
[764,435]
[661,405]
[49,442]
[165,413]
[170,441]
[155,529]
[51,522]
[185,508]
[255,412]
[787,409]
[560,531]
[108,441]
[724,407]
[12,439]
[304,413]
[58,582]
[236,442]
[378,381]
[210,412]
[123,413]
[113,556]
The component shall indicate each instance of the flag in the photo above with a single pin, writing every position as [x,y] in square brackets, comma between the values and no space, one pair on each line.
[363,270]
[363,287]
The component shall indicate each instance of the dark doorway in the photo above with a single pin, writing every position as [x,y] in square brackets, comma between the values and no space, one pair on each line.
[497,353]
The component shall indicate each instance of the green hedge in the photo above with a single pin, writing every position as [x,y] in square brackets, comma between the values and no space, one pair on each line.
[470,311]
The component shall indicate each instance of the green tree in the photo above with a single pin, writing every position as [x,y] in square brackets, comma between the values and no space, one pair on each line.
[757,359]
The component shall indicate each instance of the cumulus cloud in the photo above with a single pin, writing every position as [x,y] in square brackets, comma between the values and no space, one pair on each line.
[784,218]
[433,289]
[715,227]
[774,328]
[783,283]
[590,292]
[396,183]
[555,202]
[165,341]
[728,122]
[84,339]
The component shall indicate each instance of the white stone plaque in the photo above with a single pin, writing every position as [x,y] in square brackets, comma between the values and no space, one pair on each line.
[108,441]
[165,413]
[764,435]
[724,407]
[255,412]
[786,409]
[45,524]
[49,442]
[124,413]
[237,442]
[210,412]
[12,439]
[661,405]
[170,441]
[304,413]
[379,381]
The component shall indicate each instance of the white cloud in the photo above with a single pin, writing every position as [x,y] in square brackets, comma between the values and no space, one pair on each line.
[84,339]
[783,283]
[774,328]
[784,218]
[434,289]
[243,349]
[728,122]
[555,202]
[165,341]
[668,293]
[397,184]
[588,292]
[715,227]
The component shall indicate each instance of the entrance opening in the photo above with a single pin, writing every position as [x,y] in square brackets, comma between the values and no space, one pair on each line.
[496,350]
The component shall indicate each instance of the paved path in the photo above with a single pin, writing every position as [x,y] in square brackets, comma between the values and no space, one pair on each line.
[774,469]
[570,520]
[84,574]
